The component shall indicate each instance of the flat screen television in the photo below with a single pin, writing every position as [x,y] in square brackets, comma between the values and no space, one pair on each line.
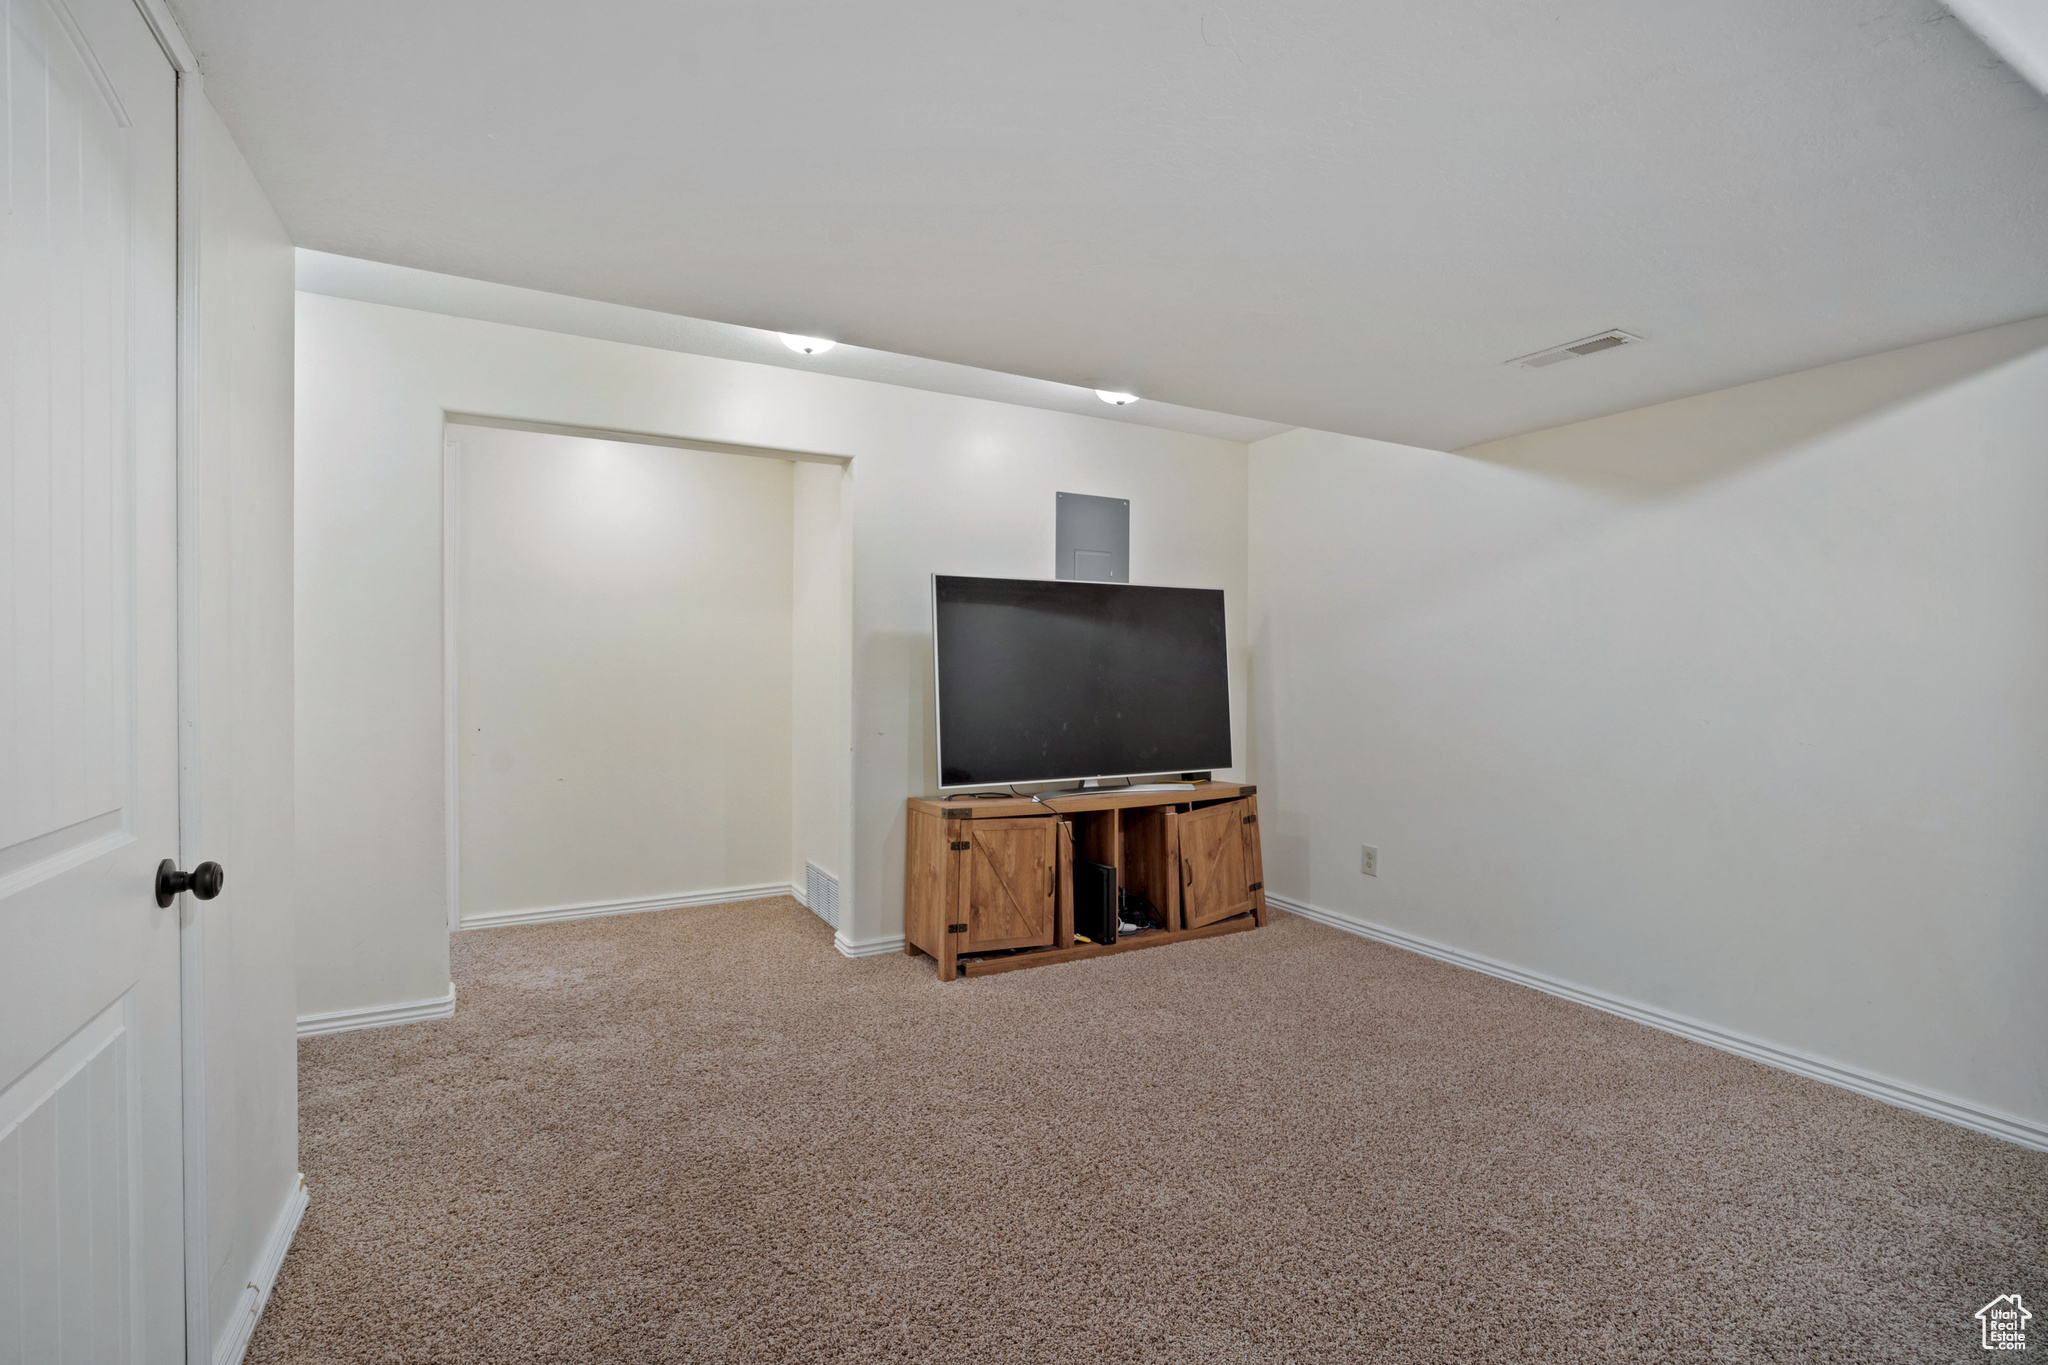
[1061,681]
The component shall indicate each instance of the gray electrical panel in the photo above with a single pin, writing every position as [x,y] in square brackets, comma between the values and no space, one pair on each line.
[1093,540]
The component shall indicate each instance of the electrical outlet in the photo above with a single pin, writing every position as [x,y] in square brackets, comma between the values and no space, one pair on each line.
[1368,860]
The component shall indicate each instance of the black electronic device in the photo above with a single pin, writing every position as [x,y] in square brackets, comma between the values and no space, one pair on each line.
[1095,901]
[1062,681]
[1137,912]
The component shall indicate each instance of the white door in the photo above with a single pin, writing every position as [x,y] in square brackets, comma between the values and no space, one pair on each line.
[90,1168]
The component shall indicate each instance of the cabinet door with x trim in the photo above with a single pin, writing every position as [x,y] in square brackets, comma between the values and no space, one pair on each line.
[1217,880]
[1011,876]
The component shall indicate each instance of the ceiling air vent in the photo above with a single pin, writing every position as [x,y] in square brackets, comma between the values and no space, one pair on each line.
[1571,350]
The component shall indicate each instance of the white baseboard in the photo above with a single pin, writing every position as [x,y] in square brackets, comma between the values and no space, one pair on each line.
[1949,1109]
[873,947]
[378,1016]
[262,1278]
[549,914]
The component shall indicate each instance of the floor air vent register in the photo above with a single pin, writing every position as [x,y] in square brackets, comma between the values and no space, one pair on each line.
[821,893]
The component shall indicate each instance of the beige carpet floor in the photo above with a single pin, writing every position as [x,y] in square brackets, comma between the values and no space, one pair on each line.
[702,1135]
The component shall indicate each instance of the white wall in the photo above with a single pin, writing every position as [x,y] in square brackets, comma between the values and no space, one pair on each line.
[937,483]
[623,619]
[237,749]
[1736,707]
[821,711]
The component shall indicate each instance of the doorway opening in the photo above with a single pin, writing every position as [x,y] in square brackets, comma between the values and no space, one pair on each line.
[646,685]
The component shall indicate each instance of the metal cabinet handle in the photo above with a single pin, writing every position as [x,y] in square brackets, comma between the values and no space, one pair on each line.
[1187,873]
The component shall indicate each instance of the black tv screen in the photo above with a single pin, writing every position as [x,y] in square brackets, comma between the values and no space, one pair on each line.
[1054,681]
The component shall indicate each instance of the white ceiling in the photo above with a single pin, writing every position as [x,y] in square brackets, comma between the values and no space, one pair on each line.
[1343,214]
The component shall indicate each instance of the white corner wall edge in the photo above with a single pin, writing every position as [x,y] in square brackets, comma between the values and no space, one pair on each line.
[378,1016]
[873,947]
[549,914]
[2008,1127]
[2017,30]
[262,1277]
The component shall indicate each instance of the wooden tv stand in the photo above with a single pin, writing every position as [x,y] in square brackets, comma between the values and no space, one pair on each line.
[989,882]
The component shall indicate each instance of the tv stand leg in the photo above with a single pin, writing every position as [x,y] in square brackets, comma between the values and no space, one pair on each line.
[1255,860]
[958,840]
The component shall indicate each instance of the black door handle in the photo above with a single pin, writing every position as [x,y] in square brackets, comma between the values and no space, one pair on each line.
[203,881]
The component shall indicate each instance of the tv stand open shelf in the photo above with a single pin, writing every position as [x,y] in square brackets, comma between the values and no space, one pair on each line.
[989,883]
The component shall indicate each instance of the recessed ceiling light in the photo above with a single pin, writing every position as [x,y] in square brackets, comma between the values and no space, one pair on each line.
[807,345]
[1117,397]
